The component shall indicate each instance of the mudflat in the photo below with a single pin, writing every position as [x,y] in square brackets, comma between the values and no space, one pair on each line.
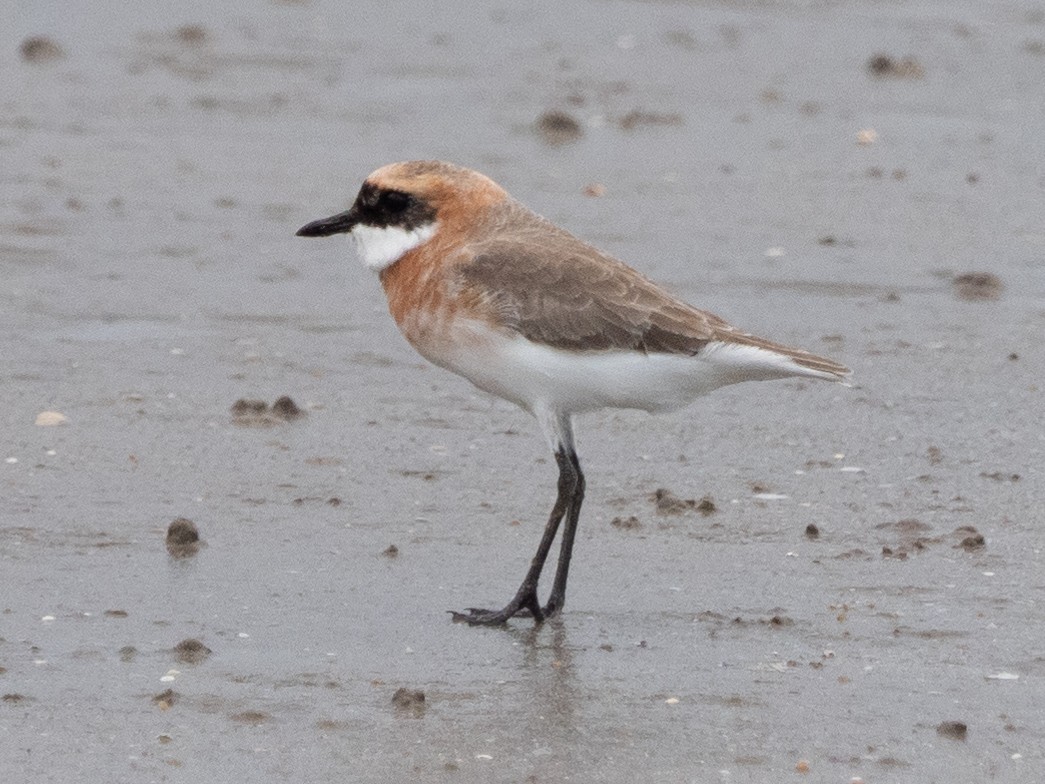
[235,506]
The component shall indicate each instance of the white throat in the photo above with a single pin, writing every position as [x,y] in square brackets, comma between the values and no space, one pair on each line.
[382,247]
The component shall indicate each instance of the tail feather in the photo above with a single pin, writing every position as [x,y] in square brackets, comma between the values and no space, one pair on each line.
[837,371]
[753,357]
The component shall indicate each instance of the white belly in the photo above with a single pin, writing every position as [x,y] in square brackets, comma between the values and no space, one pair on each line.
[536,376]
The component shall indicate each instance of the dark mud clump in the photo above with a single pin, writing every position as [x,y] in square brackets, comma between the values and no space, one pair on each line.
[970,539]
[883,66]
[40,49]
[250,717]
[191,651]
[706,506]
[956,730]
[667,503]
[557,127]
[257,413]
[165,699]
[14,697]
[812,532]
[392,551]
[626,523]
[410,701]
[191,34]
[1000,476]
[183,538]
[244,407]
[115,613]
[978,286]
[910,538]
[127,653]
[636,118]
[774,621]
[285,408]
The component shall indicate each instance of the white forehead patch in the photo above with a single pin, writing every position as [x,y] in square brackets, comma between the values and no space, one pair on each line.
[381,247]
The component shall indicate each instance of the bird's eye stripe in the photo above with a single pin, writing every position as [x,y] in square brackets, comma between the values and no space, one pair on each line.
[394,201]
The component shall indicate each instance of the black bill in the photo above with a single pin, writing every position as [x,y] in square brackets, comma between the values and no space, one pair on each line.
[342,223]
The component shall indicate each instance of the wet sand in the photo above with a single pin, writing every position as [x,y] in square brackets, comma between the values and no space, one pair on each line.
[865,600]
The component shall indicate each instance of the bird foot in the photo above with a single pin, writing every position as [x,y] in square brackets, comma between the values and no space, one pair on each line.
[524,605]
[475,616]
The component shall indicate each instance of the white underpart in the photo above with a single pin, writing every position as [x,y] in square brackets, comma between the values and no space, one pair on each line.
[553,383]
[381,247]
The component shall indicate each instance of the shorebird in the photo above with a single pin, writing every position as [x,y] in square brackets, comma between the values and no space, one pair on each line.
[481,285]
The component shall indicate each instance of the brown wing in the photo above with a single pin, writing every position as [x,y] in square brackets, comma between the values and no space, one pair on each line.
[558,290]
[555,289]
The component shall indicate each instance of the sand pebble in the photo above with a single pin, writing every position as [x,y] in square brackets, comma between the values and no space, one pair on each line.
[883,65]
[958,730]
[191,651]
[51,419]
[183,538]
[40,49]
[412,700]
[978,286]
[557,127]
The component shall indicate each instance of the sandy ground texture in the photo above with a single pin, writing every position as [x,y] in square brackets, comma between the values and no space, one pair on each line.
[865,601]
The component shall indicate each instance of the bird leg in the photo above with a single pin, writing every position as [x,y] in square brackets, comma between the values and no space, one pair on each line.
[571,489]
[557,598]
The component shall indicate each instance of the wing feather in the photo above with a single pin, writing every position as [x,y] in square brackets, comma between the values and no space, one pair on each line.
[555,289]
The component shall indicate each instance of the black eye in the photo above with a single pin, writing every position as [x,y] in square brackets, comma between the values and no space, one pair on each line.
[393,202]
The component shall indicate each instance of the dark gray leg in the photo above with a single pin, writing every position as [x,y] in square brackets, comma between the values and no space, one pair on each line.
[567,502]
[557,598]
